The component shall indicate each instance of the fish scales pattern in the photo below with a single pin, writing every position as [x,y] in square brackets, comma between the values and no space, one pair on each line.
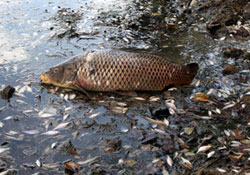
[118,70]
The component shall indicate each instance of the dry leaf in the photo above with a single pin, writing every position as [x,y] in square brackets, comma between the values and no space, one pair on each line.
[200,97]
[235,158]
[156,14]
[238,134]
[72,166]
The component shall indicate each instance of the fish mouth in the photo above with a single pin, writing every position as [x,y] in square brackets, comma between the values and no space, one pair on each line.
[44,78]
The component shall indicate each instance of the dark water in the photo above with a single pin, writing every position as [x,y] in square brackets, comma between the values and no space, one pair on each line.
[34,37]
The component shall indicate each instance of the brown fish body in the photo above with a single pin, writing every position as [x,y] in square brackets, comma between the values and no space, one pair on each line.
[112,70]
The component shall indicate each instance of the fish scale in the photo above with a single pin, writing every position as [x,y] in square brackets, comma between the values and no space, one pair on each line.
[112,70]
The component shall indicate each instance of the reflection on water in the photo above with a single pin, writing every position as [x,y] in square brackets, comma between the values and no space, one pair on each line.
[10,49]
[34,37]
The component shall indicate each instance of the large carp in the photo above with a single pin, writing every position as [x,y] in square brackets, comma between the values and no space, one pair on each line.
[113,70]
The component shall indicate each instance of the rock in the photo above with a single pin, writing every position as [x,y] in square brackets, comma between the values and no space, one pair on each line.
[229,69]
[212,27]
[7,92]
[160,113]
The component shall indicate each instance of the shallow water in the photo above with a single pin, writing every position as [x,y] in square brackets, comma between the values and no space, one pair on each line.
[34,36]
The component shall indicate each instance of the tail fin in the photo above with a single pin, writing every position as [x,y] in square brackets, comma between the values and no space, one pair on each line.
[192,69]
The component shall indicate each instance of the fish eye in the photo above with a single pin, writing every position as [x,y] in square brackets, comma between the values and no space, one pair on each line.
[55,70]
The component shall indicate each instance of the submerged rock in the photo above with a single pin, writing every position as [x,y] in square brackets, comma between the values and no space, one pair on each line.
[160,113]
[7,92]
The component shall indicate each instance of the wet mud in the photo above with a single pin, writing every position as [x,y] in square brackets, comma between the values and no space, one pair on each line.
[200,129]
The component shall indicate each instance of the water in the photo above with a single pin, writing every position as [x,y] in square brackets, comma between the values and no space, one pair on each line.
[35,35]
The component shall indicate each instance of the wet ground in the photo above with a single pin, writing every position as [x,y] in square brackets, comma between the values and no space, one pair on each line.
[203,129]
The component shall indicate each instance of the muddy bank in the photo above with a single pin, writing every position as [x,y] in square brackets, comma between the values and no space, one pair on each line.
[203,129]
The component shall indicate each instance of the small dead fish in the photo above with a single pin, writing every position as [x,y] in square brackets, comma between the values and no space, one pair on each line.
[88,160]
[50,133]
[62,125]
[31,132]
[204,148]
[186,163]
[3,149]
[169,161]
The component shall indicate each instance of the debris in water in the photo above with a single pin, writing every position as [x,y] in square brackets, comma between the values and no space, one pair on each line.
[72,166]
[67,148]
[7,92]
[200,97]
